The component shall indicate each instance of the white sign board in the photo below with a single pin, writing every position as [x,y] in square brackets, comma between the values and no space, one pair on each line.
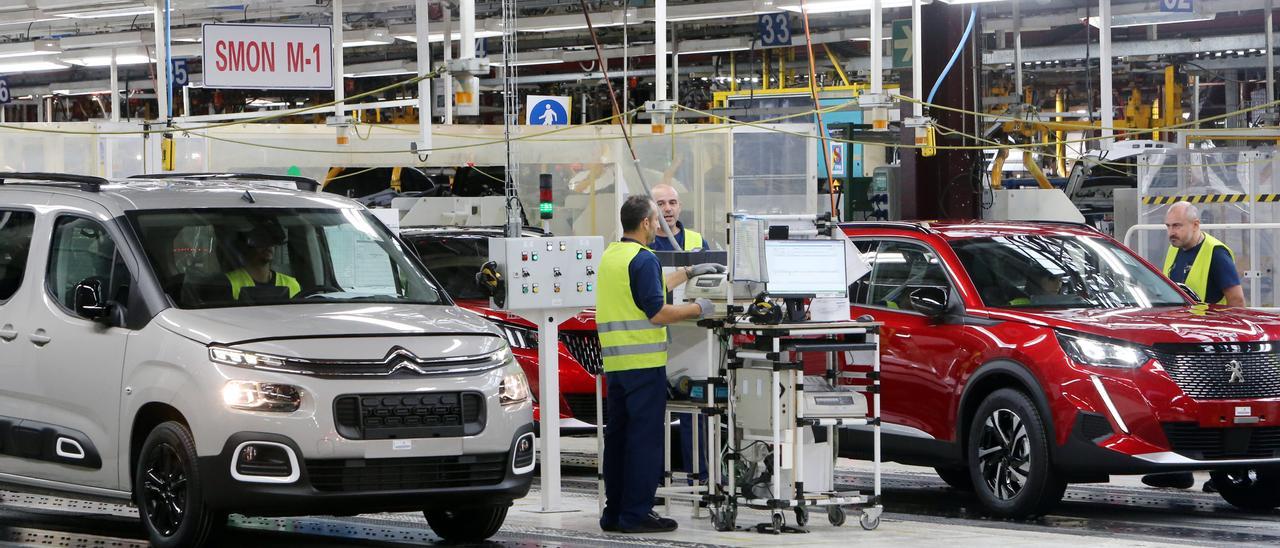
[268,56]
[545,110]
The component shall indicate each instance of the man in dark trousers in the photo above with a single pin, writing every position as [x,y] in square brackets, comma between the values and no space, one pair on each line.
[631,315]
[1208,267]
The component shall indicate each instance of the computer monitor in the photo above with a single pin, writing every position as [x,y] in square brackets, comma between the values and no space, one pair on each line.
[805,268]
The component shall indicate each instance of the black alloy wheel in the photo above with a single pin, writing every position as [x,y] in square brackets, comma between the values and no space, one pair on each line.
[1009,459]
[1250,489]
[167,490]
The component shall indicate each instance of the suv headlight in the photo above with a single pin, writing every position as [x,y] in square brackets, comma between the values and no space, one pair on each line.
[518,336]
[258,396]
[514,388]
[241,358]
[1102,352]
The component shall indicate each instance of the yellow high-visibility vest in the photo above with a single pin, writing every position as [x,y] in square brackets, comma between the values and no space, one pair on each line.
[240,279]
[1198,278]
[628,340]
[692,240]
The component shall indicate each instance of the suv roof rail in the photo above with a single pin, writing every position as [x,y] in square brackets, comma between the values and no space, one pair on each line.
[898,225]
[302,183]
[1073,224]
[87,183]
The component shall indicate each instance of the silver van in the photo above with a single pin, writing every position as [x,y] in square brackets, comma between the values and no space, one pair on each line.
[206,347]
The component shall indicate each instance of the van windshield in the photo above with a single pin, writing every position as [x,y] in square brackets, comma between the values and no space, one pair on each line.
[1061,271]
[213,258]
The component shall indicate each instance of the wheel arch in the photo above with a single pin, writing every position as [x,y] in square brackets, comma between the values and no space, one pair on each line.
[993,376]
[148,417]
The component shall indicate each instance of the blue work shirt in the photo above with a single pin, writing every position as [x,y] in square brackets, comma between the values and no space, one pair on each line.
[646,282]
[661,243]
[1222,271]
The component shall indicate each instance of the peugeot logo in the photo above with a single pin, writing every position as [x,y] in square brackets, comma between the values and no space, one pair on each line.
[1236,371]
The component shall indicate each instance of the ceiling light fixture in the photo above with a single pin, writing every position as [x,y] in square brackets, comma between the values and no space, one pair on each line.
[29,49]
[16,66]
[835,6]
[367,37]
[127,56]
[112,9]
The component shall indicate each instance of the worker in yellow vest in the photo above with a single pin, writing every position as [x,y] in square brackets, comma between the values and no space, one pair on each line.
[631,315]
[668,201]
[258,248]
[1199,260]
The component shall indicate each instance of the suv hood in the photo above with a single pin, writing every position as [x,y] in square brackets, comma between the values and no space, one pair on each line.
[1148,326]
[582,321]
[231,326]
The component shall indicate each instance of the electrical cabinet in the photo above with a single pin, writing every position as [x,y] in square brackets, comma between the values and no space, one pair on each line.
[548,272]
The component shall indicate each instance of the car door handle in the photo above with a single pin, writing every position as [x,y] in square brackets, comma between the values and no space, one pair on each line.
[40,338]
[8,333]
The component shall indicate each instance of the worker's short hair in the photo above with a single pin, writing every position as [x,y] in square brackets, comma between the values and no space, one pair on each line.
[635,210]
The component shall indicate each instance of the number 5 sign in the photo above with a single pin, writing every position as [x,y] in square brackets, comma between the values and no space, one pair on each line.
[774,29]
[5,96]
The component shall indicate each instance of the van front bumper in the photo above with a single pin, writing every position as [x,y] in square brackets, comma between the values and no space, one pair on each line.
[349,486]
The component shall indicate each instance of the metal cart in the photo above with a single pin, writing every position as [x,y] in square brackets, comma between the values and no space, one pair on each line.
[776,357]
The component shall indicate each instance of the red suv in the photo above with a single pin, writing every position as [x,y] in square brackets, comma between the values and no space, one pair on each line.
[1020,357]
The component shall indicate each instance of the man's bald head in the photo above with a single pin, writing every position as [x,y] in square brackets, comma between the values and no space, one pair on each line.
[668,201]
[1182,222]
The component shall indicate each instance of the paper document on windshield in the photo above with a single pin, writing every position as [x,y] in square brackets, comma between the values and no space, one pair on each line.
[747,235]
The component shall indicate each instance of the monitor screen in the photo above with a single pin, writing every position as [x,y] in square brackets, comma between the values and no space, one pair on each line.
[805,268]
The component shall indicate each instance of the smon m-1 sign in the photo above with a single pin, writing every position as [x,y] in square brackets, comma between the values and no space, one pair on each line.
[268,56]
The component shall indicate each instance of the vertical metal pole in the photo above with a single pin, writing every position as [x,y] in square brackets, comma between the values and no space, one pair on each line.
[162,68]
[917,67]
[626,44]
[186,100]
[675,63]
[422,18]
[1017,47]
[115,88]
[467,18]
[1271,56]
[1195,103]
[339,78]
[549,400]
[448,56]
[660,50]
[877,48]
[1104,69]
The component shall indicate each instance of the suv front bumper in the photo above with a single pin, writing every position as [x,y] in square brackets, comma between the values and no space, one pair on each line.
[339,486]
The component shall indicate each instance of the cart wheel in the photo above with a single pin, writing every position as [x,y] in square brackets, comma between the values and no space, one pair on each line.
[802,516]
[836,515]
[867,522]
[779,520]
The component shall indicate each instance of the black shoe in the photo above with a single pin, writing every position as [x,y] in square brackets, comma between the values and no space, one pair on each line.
[660,525]
[1209,487]
[665,521]
[1175,480]
[608,527]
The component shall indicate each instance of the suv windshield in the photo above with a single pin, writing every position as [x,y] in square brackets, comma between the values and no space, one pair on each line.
[209,258]
[1055,271]
[454,260]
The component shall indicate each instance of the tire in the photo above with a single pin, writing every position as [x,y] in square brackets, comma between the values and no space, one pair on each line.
[1249,489]
[957,478]
[167,477]
[1008,455]
[467,524]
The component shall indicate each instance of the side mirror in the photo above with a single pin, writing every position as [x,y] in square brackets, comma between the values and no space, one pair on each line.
[90,300]
[931,301]
[1187,289]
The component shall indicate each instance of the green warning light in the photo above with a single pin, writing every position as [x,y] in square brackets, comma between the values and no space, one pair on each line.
[545,209]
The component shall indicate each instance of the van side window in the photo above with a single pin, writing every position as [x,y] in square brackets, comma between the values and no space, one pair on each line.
[83,249]
[859,290]
[899,268]
[15,244]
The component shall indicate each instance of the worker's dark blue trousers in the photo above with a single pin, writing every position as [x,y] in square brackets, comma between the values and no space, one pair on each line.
[633,444]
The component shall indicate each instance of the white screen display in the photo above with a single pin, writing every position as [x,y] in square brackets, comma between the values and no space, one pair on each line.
[805,268]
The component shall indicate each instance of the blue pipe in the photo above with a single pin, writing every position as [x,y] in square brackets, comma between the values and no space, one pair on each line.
[968,29]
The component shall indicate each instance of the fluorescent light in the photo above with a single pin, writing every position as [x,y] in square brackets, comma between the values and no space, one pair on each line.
[833,6]
[101,12]
[128,56]
[368,37]
[574,21]
[971,1]
[407,33]
[14,67]
[29,49]
[107,40]
[1142,19]
[380,68]
[713,10]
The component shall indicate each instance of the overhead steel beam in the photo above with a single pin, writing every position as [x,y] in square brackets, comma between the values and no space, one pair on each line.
[1164,46]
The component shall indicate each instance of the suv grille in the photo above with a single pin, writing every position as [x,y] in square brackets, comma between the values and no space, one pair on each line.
[583,407]
[346,475]
[1204,371]
[584,346]
[409,415]
[1192,441]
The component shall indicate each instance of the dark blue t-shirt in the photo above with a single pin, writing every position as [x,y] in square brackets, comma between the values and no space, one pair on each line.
[646,282]
[661,243]
[1222,271]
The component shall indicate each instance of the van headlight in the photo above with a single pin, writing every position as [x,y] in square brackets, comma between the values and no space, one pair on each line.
[240,358]
[515,388]
[518,336]
[261,396]
[1101,352]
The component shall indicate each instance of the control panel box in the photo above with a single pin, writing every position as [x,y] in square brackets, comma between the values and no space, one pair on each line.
[548,272]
